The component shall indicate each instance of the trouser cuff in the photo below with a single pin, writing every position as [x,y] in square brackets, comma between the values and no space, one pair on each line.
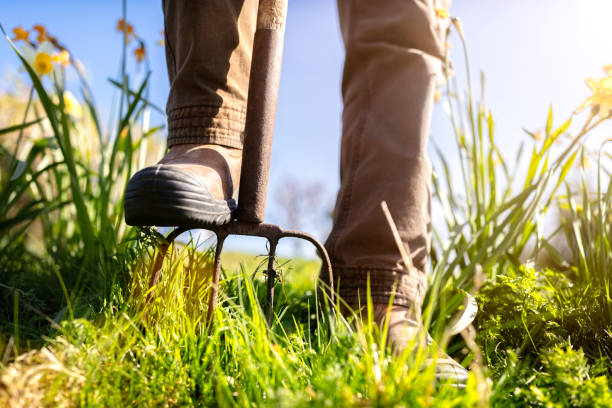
[206,125]
[407,289]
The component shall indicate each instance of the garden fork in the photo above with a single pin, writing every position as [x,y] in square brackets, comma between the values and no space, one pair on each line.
[259,129]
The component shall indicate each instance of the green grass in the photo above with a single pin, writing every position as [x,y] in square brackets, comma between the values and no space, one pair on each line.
[120,357]
[76,330]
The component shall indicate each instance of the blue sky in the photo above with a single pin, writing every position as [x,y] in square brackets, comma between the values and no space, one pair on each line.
[533,53]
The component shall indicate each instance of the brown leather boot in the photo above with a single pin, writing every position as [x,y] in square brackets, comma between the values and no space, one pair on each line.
[193,185]
[404,326]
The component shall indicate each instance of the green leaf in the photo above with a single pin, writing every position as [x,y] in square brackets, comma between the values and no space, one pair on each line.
[552,138]
[136,94]
[19,127]
[566,168]
[27,215]
[19,169]
[549,121]
[534,163]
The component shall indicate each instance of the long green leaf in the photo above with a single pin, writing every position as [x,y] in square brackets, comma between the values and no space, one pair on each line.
[135,94]
[18,127]
[24,216]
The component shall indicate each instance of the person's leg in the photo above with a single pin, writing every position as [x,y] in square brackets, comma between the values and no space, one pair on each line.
[208,54]
[394,50]
[393,53]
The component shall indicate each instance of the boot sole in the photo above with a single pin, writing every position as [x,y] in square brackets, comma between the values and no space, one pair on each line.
[163,196]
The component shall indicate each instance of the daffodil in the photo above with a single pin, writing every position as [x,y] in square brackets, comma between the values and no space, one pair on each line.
[61,58]
[140,52]
[39,58]
[72,105]
[437,95]
[21,34]
[442,13]
[123,26]
[126,27]
[42,32]
[601,98]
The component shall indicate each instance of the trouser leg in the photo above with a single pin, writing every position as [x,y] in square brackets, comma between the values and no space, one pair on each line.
[208,53]
[393,54]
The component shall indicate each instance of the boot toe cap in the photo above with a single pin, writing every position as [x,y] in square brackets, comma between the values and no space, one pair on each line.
[163,195]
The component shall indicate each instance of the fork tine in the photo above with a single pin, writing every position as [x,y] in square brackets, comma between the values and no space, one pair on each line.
[159,260]
[157,267]
[214,287]
[271,273]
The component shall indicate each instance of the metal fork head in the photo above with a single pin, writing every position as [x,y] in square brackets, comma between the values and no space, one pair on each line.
[273,233]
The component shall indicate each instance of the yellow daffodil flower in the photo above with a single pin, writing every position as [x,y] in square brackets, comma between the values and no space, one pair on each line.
[437,95]
[73,107]
[442,13]
[601,98]
[43,64]
[21,34]
[127,27]
[121,26]
[140,52]
[42,32]
[39,58]
[61,58]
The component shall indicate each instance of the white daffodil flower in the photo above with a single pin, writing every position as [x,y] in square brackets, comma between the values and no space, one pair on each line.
[39,58]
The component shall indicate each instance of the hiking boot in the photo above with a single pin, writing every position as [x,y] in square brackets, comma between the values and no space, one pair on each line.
[404,326]
[193,185]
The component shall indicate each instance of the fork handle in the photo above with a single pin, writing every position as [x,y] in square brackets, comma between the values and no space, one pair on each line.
[261,109]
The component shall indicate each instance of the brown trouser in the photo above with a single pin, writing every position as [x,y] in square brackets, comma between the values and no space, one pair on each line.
[393,54]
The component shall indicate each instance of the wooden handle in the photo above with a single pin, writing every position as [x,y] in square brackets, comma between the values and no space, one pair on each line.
[272,15]
[261,110]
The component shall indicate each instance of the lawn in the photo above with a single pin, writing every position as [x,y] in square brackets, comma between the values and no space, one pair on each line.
[76,328]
